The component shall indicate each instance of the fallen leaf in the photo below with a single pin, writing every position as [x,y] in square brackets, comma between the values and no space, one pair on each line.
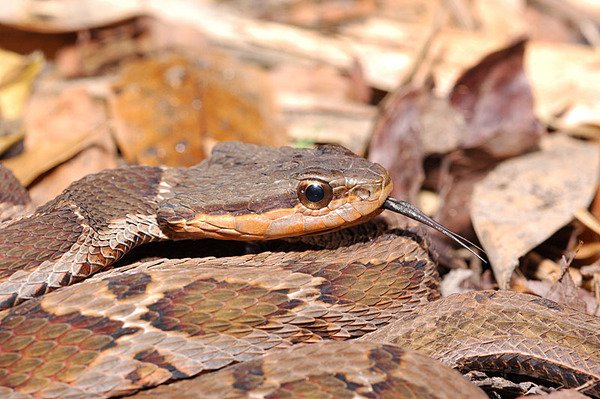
[58,127]
[157,108]
[396,142]
[496,100]
[168,109]
[99,155]
[566,82]
[456,202]
[7,141]
[103,49]
[32,163]
[17,74]
[503,18]
[67,15]
[525,200]
[443,129]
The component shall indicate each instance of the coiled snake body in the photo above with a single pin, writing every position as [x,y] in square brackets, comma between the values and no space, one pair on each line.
[155,322]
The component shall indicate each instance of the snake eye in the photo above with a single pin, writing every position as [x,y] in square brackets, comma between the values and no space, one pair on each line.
[314,194]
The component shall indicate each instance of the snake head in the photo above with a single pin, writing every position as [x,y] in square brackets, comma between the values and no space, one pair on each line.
[249,192]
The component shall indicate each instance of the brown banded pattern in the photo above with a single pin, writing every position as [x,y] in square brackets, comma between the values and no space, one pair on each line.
[80,232]
[504,332]
[328,370]
[167,320]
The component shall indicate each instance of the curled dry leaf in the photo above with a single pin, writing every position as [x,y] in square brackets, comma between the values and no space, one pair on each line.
[58,127]
[525,200]
[496,101]
[32,163]
[494,107]
[17,74]
[396,142]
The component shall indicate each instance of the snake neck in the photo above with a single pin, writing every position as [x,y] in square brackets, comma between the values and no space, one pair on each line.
[91,225]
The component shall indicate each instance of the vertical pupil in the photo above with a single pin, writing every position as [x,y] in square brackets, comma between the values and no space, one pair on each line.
[314,192]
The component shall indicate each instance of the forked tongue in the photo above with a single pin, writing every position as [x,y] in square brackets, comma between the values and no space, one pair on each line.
[411,211]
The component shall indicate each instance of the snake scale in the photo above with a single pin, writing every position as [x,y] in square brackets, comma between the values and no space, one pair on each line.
[74,327]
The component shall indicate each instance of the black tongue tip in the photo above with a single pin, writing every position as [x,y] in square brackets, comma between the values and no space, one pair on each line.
[409,210]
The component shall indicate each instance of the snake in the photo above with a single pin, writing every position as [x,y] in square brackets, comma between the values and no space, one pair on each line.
[336,306]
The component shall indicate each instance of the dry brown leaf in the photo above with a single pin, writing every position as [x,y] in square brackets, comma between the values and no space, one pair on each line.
[32,163]
[566,82]
[102,49]
[17,74]
[497,103]
[7,141]
[454,50]
[157,107]
[442,127]
[168,110]
[58,127]
[396,142]
[526,199]
[503,18]
[492,101]
[456,202]
[99,155]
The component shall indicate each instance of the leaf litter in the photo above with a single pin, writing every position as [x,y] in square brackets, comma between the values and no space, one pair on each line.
[485,112]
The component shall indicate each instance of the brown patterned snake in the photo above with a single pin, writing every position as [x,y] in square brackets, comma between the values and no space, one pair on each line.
[150,323]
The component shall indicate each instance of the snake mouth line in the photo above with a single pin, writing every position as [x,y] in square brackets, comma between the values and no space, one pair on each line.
[414,213]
